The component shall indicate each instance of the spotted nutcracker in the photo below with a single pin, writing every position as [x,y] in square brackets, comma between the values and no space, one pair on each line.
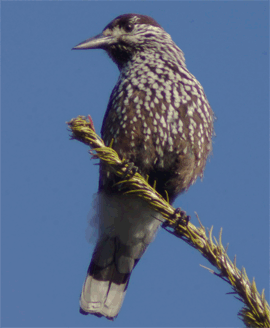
[158,118]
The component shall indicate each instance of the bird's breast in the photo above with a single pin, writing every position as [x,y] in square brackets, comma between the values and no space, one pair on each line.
[159,119]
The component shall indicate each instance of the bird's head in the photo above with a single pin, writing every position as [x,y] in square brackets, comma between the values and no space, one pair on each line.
[127,35]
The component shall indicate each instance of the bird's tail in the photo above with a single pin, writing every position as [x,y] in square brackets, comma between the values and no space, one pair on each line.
[127,226]
[103,291]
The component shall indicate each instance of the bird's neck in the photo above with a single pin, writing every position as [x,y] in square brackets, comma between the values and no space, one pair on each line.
[152,57]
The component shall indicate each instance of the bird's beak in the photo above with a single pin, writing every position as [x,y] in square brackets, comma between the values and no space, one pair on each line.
[100,41]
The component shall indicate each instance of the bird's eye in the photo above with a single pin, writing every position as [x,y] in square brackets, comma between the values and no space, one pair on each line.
[129,27]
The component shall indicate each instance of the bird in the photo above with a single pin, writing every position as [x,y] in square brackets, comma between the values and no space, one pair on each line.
[159,119]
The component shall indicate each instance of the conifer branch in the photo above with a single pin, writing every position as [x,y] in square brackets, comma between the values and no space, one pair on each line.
[256,311]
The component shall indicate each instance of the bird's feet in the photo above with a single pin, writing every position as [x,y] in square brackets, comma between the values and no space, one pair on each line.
[131,169]
[183,218]
[178,216]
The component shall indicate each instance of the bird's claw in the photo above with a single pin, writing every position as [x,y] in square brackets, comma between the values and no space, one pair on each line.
[178,216]
[131,169]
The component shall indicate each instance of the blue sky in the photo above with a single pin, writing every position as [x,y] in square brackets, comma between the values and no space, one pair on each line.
[48,181]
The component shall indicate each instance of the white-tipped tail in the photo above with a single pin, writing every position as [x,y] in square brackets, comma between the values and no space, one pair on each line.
[127,225]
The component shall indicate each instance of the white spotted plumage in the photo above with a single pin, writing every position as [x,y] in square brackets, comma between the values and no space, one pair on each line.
[158,118]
